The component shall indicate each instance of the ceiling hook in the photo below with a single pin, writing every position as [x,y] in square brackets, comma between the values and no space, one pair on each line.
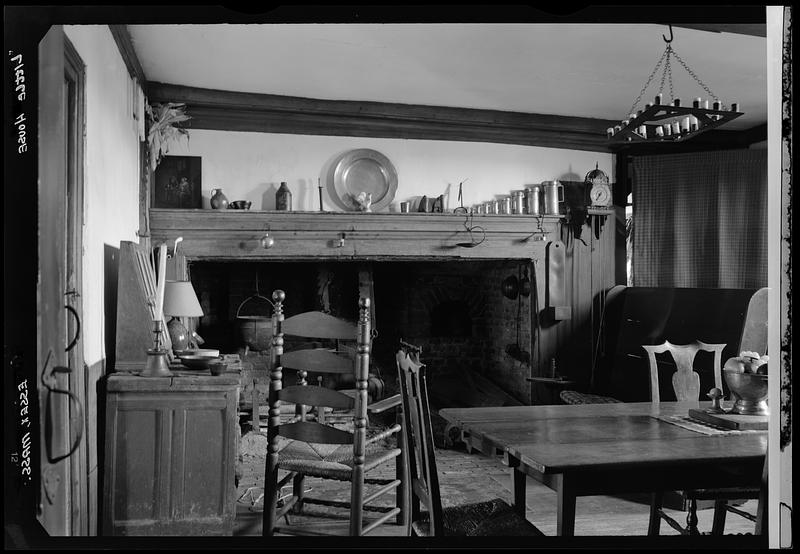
[670,36]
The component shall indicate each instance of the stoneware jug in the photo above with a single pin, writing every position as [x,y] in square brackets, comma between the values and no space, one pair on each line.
[218,200]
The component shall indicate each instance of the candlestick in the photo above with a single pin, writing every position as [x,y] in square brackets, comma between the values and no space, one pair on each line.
[162,279]
[319,185]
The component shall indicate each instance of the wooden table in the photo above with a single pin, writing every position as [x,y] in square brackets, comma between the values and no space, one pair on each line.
[604,449]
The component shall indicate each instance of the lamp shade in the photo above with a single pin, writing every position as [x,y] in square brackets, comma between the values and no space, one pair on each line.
[180,300]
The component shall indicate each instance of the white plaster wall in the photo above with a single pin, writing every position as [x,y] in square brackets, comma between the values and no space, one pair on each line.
[250,166]
[111,173]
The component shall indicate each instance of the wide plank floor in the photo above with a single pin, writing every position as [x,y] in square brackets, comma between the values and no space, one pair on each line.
[471,478]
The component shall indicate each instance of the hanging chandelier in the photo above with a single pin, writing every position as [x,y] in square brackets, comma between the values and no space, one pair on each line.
[672,122]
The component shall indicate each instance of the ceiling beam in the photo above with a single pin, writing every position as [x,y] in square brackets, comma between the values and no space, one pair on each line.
[125,45]
[269,113]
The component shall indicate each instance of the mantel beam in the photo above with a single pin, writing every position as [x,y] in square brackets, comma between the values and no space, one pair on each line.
[241,111]
[235,235]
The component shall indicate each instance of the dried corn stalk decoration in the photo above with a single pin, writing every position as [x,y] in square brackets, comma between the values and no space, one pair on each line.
[163,120]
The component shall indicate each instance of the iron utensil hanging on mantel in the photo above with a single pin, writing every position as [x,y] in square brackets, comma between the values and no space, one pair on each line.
[557,309]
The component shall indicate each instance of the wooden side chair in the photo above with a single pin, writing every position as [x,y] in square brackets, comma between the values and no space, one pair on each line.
[490,518]
[307,445]
[686,384]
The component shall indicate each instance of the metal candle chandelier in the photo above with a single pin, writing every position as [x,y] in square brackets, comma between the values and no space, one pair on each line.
[659,122]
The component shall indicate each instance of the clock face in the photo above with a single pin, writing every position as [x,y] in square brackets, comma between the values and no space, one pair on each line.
[600,194]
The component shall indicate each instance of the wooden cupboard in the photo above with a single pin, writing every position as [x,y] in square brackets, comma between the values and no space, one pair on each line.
[170,454]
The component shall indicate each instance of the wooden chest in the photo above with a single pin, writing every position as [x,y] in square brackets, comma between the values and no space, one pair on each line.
[170,455]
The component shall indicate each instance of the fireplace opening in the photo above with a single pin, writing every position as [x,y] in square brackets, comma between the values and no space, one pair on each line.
[451,319]
[454,310]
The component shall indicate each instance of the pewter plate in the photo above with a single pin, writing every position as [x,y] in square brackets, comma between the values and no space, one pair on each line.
[363,170]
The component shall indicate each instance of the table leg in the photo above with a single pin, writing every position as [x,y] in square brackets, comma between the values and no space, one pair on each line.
[518,484]
[565,526]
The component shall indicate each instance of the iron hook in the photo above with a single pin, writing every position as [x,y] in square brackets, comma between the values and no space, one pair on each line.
[670,36]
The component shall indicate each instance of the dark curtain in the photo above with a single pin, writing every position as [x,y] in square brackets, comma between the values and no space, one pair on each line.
[700,220]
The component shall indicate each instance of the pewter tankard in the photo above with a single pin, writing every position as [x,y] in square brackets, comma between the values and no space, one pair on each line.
[553,194]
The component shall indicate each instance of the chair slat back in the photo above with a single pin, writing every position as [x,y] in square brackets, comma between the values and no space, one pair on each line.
[685,381]
[419,438]
[313,395]
[320,325]
[317,360]
[311,431]
[754,333]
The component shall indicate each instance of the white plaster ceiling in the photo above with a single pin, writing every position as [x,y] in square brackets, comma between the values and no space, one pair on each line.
[586,70]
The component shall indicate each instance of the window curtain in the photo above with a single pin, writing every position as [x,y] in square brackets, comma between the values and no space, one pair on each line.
[700,220]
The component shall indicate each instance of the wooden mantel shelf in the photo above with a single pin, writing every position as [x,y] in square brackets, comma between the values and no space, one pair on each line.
[236,235]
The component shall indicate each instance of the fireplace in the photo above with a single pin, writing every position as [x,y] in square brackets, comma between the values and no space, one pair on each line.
[470,333]
[427,288]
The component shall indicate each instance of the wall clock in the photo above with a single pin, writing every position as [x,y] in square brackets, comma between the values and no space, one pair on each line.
[599,196]
[600,189]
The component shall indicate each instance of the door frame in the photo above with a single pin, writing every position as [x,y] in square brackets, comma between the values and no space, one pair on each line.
[75,77]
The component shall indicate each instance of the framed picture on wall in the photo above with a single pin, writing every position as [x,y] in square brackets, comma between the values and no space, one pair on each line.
[177,183]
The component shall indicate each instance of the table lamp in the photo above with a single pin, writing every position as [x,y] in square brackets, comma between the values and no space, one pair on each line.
[180,300]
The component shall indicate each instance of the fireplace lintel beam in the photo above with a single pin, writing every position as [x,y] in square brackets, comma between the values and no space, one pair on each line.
[235,235]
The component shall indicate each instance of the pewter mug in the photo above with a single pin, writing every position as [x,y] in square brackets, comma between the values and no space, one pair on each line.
[553,194]
[534,199]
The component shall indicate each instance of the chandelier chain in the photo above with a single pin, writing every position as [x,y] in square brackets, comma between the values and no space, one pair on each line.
[649,79]
[695,77]
[668,70]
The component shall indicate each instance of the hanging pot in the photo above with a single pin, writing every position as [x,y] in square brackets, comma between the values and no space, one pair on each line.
[255,329]
[510,287]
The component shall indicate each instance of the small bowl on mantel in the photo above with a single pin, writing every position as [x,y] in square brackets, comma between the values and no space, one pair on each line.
[239,205]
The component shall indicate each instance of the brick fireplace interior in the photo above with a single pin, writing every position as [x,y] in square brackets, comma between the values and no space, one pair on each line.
[475,341]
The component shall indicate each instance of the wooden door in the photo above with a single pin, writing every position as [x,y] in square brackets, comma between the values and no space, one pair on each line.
[61,501]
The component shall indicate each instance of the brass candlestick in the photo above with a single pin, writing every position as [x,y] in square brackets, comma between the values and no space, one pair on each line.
[157,364]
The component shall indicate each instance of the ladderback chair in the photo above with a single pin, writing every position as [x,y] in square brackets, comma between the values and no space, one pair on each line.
[490,518]
[307,445]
